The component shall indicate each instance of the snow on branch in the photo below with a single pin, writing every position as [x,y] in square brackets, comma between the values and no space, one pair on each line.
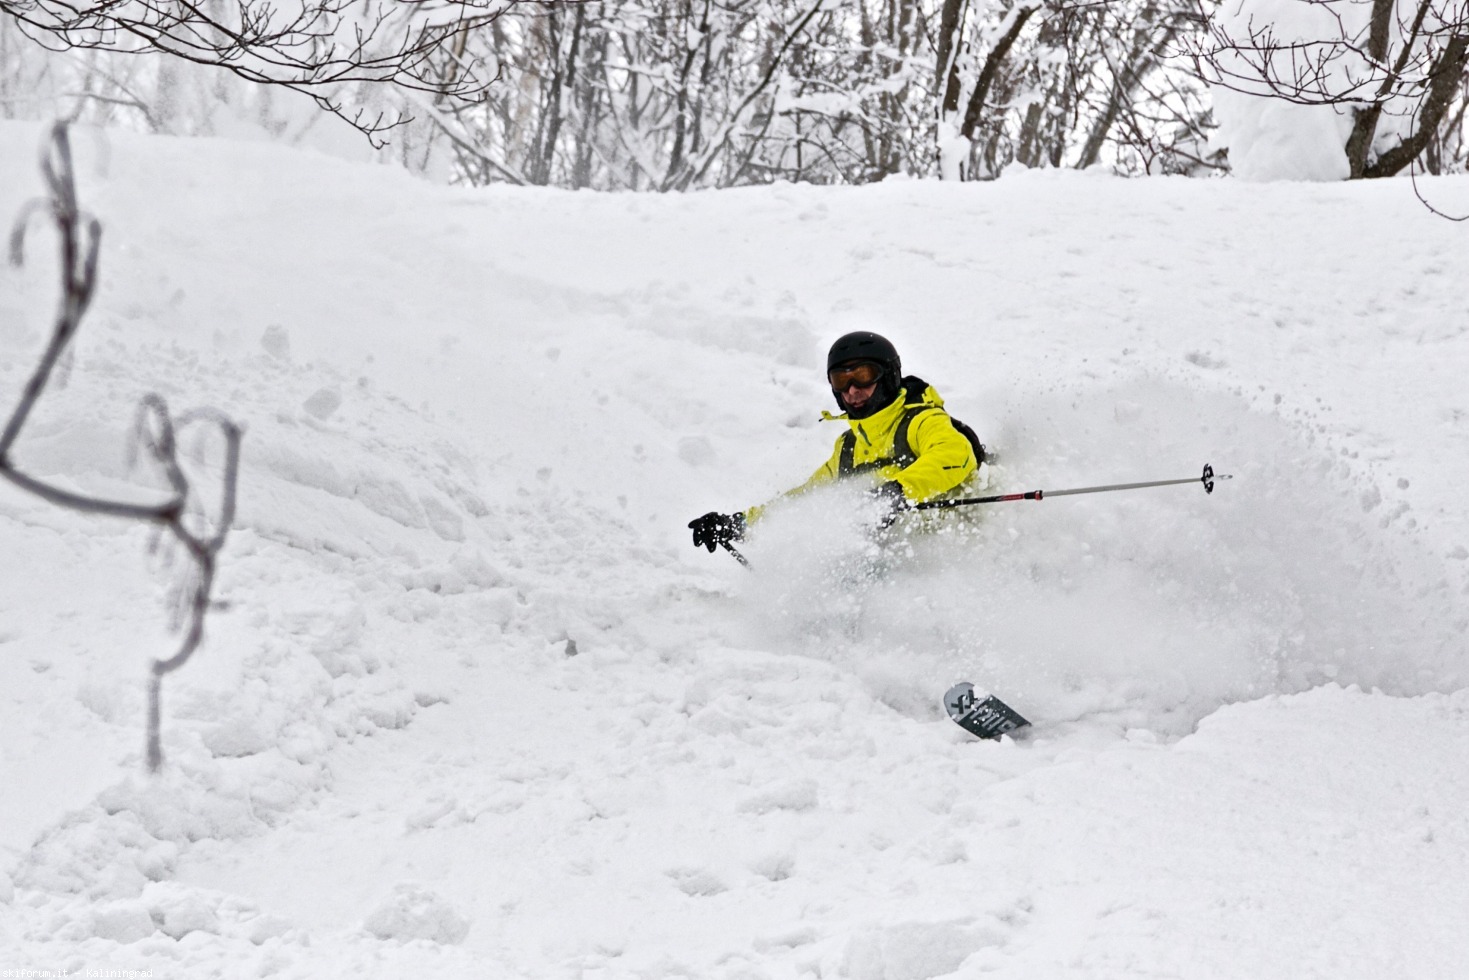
[182,516]
[1394,69]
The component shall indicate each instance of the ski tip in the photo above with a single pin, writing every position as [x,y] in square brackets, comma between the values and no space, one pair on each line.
[958,691]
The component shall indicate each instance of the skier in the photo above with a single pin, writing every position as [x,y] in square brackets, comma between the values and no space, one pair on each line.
[899,438]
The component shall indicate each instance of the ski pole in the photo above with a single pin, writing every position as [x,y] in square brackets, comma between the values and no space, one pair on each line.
[1207,480]
[738,557]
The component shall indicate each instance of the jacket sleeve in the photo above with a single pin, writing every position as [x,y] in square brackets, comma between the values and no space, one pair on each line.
[945,458]
[825,473]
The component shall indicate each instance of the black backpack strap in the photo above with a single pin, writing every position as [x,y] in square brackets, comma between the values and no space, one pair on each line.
[844,459]
[903,453]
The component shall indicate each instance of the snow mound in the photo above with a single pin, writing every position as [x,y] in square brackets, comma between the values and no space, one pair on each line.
[413,912]
[917,950]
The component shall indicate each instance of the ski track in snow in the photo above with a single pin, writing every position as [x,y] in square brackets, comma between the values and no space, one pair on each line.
[473,704]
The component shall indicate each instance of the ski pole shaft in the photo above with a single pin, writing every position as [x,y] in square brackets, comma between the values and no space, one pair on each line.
[738,557]
[1207,480]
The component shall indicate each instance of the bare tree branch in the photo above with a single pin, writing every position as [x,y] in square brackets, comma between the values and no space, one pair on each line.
[315,48]
[1407,61]
[155,430]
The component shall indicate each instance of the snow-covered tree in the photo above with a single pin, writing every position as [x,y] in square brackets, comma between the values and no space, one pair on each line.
[1062,84]
[1332,89]
[671,94]
[659,94]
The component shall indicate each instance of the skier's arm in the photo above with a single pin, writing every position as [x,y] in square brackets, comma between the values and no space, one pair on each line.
[825,473]
[945,458]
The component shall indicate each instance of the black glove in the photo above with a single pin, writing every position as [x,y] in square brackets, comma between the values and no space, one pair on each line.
[715,529]
[891,500]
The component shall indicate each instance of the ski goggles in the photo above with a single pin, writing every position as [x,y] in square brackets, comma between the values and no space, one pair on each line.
[861,373]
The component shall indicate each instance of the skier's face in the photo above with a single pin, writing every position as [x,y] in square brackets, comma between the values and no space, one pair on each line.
[855,397]
[855,382]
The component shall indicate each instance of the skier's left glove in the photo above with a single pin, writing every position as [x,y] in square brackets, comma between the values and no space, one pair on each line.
[715,529]
[891,501]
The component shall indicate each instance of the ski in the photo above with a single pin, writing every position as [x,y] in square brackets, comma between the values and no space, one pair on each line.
[987,717]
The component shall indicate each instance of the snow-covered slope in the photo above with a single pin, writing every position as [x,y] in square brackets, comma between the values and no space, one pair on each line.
[475,705]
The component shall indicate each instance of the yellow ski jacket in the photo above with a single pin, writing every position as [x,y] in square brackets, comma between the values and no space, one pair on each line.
[937,457]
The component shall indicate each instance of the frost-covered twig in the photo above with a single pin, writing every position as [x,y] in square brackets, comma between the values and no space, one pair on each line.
[315,47]
[1391,58]
[156,431]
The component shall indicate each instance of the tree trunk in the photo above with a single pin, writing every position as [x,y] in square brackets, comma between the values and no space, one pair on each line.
[946,71]
[987,74]
[1447,75]
[564,80]
[1364,121]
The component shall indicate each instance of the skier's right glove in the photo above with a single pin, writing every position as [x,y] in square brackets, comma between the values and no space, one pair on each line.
[715,529]
[891,502]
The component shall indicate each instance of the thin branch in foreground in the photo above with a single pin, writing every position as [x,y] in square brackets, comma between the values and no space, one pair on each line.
[155,430]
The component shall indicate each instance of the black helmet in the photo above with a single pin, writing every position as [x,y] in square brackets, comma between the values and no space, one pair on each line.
[864,345]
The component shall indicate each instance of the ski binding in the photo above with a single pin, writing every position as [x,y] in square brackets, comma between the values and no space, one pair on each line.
[987,717]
